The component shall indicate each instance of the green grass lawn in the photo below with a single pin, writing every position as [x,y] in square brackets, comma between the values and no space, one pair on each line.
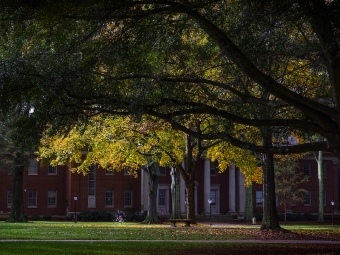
[51,238]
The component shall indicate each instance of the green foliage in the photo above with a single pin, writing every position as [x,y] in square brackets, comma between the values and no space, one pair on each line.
[47,217]
[288,182]
[35,217]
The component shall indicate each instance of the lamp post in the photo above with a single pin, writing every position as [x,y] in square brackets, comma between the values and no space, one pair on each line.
[210,201]
[75,208]
[332,203]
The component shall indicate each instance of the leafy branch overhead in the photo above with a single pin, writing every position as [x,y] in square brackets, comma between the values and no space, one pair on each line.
[273,64]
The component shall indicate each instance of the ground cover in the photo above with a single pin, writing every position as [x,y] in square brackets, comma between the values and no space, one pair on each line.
[115,238]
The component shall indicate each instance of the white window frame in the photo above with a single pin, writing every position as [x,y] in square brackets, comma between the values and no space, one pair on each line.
[109,198]
[324,169]
[307,169]
[162,171]
[32,166]
[52,170]
[126,170]
[32,199]
[307,196]
[92,181]
[9,198]
[107,172]
[51,198]
[128,196]
[213,169]
[258,198]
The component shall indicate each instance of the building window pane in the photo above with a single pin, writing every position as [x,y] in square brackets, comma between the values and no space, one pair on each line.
[307,198]
[259,198]
[162,170]
[109,198]
[213,196]
[52,169]
[213,170]
[92,181]
[32,198]
[128,198]
[52,198]
[109,172]
[9,198]
[161,197]
[323,169]
[32,166]
[126,170]
[324,197]
[306,169]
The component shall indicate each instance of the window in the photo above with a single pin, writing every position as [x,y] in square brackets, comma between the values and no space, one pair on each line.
[306,169]
[52,198]
[32,198]
[32,166]
[323,169]
[9,198]
[259,198]
[127,198]
[213,168]
[109,172]
[126,170]
[162,170]
[307,198]
[109,198]
[213,196]
[161,197]
[52,169]
[92,181]
[324,197]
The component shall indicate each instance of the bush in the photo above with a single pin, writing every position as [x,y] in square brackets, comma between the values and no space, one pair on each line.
[47,217]
[70,216]
[297,217]
[95,216]
[35,217]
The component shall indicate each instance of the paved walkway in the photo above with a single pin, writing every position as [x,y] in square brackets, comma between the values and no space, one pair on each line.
[186,241]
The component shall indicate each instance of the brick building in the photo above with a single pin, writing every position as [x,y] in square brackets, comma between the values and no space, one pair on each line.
[52,190]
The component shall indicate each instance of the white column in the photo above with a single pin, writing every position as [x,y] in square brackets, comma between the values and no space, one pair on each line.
[206,184]
[242,192]
[182,195]
[232,187]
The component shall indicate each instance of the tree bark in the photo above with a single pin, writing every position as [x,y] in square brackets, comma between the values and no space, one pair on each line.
[175,194]
[249,209]
[153,173]
[269,220]
[17,213]
[190,188]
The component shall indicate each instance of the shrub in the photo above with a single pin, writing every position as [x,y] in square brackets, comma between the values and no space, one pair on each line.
[35,217]
[47,217]
[95,215]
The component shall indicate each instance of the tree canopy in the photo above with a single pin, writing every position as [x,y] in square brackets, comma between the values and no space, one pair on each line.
[172,59]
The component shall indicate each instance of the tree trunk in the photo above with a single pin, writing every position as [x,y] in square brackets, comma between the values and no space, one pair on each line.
[17,208]
[153,173]
[190,188]
[269,220]
[320,180]
[175,194]
[249,209]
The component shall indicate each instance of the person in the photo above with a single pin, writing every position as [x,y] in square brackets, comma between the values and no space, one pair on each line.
[120,216]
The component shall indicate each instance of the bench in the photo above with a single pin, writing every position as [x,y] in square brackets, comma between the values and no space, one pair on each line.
[174,221]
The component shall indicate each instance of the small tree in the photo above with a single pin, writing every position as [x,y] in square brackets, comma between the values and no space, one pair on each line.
[288,184]
[12,160]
